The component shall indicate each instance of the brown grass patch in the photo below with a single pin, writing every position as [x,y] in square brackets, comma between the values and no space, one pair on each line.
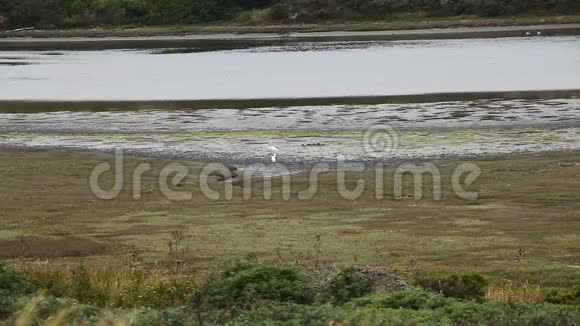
[508,293]
[51,248]
[128,284]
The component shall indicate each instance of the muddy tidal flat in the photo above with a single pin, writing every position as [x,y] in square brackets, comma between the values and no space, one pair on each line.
[307,136]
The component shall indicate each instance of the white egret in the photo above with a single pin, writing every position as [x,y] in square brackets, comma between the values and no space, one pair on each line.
[273,151]
[528,33]
[539,33]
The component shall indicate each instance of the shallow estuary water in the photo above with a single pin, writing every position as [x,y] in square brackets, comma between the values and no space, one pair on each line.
[295,70]
[305,135]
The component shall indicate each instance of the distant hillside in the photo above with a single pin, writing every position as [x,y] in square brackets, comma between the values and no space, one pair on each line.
[85,13]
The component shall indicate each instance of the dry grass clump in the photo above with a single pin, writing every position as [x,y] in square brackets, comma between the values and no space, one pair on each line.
[113,285]
[527,293]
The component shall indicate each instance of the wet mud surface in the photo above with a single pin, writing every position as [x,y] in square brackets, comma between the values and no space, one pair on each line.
[494,113]
[309,137]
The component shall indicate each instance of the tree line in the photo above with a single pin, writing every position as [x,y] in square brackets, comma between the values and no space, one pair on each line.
[73,13]
[82,13]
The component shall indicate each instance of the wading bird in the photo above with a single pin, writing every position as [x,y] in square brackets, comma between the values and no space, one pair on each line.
[273,151]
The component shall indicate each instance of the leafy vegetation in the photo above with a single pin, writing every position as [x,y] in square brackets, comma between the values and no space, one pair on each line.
[354,282]
[413,299]
[455,313]
[12,285]
[345,286]
[457,285]
[246,282]
[70,13]
[250,293]
[564,296]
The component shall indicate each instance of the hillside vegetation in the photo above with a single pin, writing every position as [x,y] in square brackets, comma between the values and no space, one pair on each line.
[87,13]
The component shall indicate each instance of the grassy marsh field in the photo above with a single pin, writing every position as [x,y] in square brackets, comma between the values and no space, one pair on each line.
[524,225]
[509,257]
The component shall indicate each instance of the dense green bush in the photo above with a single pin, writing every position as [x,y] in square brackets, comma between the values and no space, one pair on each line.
[435,309]
[564,296]
[470,286]
[414,299]
[12,286]
[355,281]
[246,282]
[452,312]
[13,283]
[520,314]
[162,294]
[345,286]
[280,11]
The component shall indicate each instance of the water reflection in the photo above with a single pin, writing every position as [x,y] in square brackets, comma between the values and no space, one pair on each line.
[299,70]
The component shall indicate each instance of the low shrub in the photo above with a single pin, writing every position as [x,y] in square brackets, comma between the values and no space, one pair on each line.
[452,313]
[151,317]
[160,294]
[473,313]
[564,296]
[469,286]
[12,285]
[246,282]
[413,299]
[355,281]
[327,314]
[286,314]
[280,11]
